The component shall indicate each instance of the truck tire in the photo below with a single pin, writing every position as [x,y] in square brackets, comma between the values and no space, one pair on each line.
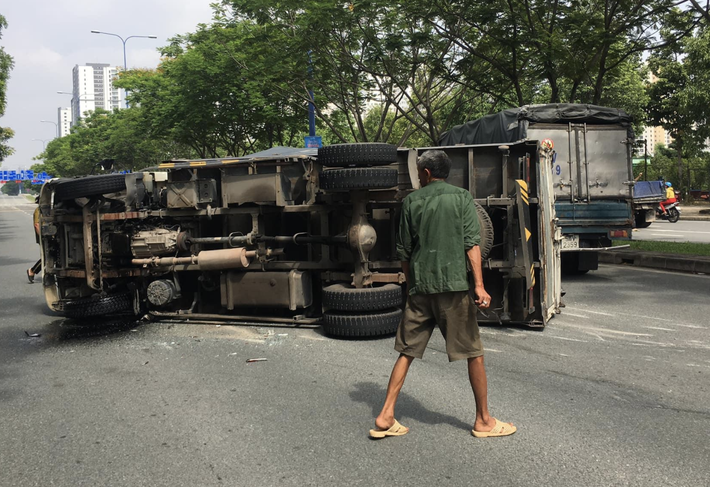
[68,189]
[358,178]
[343,297]
[98,306]
[640,220]
[364,154]
[368,325]
[486,230]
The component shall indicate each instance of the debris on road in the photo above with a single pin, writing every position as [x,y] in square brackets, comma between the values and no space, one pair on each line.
[33,335]
[256,360]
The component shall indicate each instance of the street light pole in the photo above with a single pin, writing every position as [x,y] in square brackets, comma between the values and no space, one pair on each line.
[55,124]
[125,64]
[44,143]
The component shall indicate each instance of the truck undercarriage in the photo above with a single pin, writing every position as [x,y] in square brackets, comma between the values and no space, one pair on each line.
[288,236]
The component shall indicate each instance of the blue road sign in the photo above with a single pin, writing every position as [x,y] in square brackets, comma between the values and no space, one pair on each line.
[313,141]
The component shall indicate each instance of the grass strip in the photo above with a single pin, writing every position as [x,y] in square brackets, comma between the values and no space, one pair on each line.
[687,248]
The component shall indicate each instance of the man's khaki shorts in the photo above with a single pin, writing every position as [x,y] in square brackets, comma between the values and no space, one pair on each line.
[454,312]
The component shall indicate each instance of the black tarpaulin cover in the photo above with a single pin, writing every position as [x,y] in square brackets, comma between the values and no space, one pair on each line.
[512,125]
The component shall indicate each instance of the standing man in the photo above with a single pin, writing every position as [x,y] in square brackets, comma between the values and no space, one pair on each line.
[34,270]
[438,234]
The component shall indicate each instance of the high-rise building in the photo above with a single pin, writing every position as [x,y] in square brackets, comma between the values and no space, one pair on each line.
[64,118]
[655,136]
[93,89]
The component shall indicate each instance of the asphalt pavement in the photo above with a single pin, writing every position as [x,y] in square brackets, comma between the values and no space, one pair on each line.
[681,231]
[615,391]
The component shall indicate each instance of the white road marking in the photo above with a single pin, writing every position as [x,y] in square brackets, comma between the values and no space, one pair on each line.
[665,235]
[492,350]
[665,320]
[588,329]
[686,231]
[568,339]
[576,316]
[594,312]
[658,328]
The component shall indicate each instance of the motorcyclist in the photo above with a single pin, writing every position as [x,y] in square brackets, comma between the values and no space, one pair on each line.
[670,197]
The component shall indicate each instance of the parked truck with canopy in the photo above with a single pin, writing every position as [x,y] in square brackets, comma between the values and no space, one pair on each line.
[592,171]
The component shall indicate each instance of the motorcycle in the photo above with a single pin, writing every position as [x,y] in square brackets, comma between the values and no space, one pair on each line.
[672,213]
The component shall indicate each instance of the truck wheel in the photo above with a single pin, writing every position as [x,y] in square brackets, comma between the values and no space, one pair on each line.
[641,222]
[486,230]
[97,306]
[358,178]
[68,189]
[364,154]
[369,325]
[342,297]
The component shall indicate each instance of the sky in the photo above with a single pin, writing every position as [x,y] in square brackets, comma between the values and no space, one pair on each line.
[47,38]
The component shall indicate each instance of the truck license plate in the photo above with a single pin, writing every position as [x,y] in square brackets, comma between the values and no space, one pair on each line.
[570,242]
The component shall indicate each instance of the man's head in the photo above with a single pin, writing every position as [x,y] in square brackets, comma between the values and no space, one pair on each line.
[432,165]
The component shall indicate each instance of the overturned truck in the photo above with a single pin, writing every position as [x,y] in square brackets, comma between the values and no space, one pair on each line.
[289,236]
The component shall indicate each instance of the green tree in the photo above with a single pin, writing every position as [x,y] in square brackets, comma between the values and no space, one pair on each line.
[11,188]
[6,64]
[679,97]
[220,91]
[102,135]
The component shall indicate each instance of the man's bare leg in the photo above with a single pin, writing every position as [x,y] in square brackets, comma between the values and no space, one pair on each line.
[385,419]
[479,384]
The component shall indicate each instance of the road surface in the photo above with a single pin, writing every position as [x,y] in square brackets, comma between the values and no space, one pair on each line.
[682,231]
[615,391]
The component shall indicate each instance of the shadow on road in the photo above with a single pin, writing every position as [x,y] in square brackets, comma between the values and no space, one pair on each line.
[64,330]
[373,395]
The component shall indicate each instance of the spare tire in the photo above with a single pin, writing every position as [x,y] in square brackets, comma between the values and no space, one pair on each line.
[486,231]
[97,306]
[366,325]
[343,297]
[358,178]
[67,189]
[363,154]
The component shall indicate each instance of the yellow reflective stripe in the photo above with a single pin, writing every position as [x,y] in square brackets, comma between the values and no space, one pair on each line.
[198,163]
[532,274]
[525,199]
[167,164]
[522,184]
[230,161]
[527,234]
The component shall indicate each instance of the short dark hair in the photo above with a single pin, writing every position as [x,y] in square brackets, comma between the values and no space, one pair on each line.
[437,162]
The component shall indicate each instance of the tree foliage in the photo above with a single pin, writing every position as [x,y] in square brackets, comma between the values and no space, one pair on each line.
[398,72]
[217,91]
[106,135]
[6,64]
[679,98]
[11,188]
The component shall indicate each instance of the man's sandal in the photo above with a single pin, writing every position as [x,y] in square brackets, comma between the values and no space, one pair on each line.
[395,430]
[500,429]
[30,277]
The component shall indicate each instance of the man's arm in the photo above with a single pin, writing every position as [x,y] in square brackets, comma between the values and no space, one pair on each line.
[405,270]
[483,299]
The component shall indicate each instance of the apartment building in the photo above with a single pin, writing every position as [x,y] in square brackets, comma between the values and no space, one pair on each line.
[93,89]
[64,118]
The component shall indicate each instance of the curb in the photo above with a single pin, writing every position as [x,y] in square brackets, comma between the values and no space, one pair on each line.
[668,262]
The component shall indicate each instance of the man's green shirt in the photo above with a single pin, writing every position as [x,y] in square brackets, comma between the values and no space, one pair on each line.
[437,226]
